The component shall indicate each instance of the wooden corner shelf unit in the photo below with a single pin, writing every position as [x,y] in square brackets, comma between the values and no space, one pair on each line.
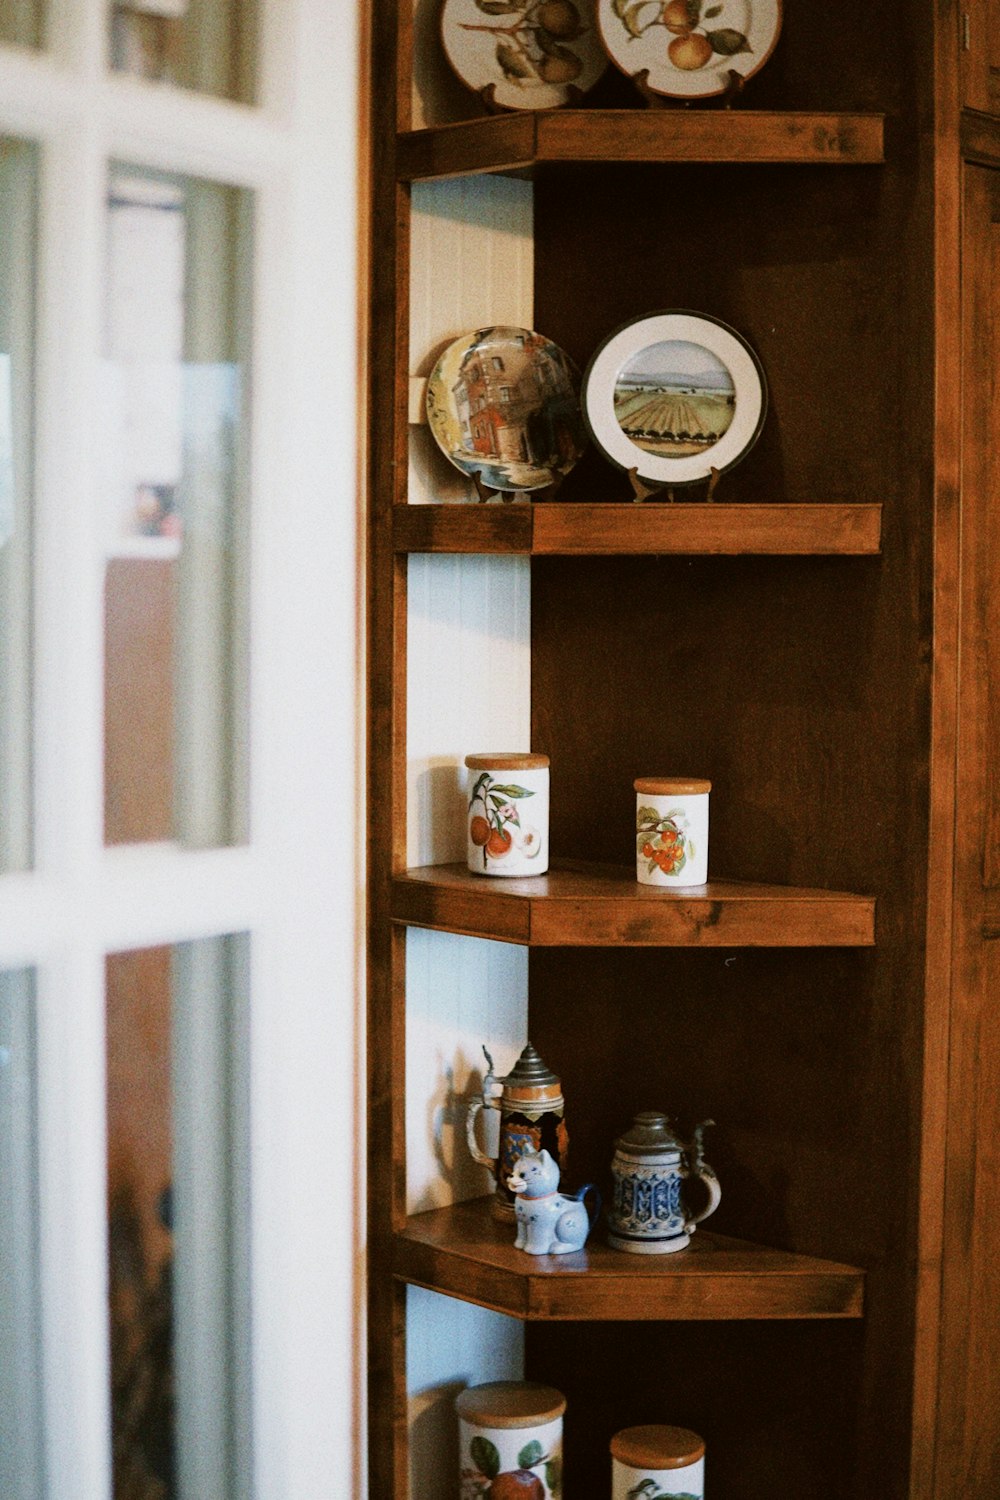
[822,640]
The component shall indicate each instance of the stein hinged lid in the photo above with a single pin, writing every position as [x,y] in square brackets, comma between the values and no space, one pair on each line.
[531,1082]
[650,1134]
[530,1072]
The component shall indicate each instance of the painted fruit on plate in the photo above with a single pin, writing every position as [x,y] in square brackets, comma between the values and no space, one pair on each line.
[689,48]
[530,54]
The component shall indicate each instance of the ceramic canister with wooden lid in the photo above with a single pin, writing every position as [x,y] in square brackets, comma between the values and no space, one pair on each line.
[671,830]
[647,1462]
[510,1441]
[508,818]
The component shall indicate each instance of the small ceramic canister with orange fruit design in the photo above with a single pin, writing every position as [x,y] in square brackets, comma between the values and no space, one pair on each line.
[671,830]
[650,1462]
[508,823]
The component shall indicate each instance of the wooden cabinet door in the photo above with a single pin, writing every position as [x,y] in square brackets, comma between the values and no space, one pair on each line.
[968,1460]
[979,23]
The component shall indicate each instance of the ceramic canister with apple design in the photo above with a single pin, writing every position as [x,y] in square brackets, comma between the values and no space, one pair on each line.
[650,1462]
[508,818]
[510,1441]
[671,830]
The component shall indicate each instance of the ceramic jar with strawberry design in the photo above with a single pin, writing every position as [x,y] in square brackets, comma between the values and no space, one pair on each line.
[508,819]
[648,1463]
[671,830]
[510,1441]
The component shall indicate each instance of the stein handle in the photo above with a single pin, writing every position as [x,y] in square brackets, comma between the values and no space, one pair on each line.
[704,1174]
[470,1136]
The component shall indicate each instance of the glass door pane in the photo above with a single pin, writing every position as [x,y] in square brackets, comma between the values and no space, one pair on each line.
[21,22]
[17,298]
[208,45]
[177,1079]
[20,1364]
[175,484]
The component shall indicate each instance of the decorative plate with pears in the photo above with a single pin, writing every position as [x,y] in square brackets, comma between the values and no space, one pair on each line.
[687,49]
[524,54]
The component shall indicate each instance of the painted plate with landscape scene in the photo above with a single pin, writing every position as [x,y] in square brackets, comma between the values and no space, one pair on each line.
[504,403]
[532,52]
[675,395]
[688,48]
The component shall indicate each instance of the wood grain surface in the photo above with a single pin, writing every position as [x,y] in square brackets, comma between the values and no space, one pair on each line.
[602,905]
[968,1447]
[391,40]
[463,1251]
[513,141]
[980,137]
[978,26]
[651,528]
[943,727]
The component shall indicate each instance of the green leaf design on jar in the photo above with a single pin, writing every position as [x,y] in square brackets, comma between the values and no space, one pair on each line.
[532,1453]
[485,1456]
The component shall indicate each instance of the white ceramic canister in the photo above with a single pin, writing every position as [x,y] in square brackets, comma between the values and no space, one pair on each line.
[671,830]
[647,1462]
[508,818]
[510,1441]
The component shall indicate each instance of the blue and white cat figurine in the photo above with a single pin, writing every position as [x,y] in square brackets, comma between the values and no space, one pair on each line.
[548,1223]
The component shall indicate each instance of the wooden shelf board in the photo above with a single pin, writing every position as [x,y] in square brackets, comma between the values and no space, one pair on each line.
[463,1252]
[511,142]
[554,528]
[589,905]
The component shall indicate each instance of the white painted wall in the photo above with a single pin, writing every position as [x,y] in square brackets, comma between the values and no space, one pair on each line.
[468,690]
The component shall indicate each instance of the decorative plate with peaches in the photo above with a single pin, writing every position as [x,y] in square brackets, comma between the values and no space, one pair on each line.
[687,49]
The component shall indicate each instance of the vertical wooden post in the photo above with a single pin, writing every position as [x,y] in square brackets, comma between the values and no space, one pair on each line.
[387,756]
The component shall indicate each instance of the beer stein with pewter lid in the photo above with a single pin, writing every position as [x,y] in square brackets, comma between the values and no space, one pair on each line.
[529,1104]
[652,1169]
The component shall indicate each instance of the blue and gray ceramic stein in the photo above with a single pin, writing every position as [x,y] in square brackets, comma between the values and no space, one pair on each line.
[651,1168]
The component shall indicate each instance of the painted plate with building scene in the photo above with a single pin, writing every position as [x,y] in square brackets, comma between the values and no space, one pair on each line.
[531,52]
[504,403]
[673,396]
[687,48]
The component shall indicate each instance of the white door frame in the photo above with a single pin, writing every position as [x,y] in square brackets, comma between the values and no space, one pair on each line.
[295,887]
